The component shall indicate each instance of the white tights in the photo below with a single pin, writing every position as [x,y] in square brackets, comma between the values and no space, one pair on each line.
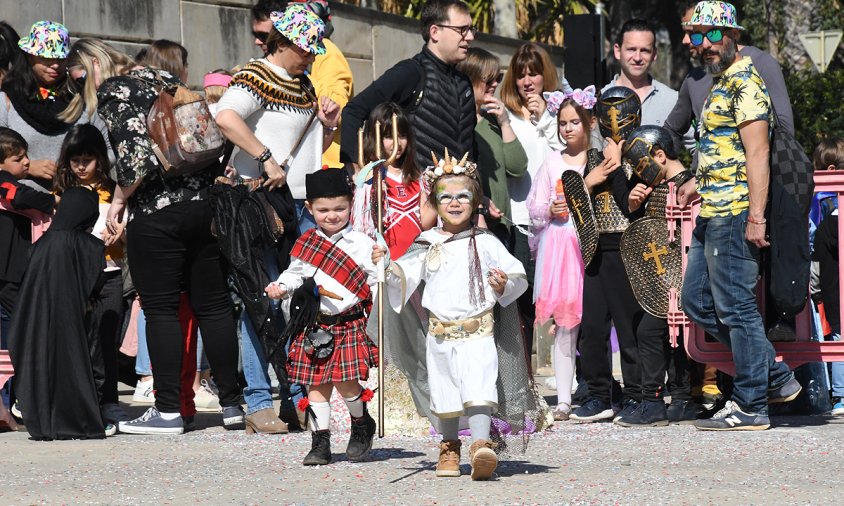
[565,352]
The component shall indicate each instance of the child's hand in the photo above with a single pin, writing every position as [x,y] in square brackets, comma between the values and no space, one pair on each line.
[559,208]
[275,291]
[497,280]
[599,174]
[612,151]
[378,252]
[637,196]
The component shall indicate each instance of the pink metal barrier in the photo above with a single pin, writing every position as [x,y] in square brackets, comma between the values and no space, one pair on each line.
[709,351]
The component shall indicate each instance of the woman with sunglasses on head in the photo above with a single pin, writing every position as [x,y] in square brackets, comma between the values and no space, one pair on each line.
[34,95]
[169,241]
[500,155]
[530,73]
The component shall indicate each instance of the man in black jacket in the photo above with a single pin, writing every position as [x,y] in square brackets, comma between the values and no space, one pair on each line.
[437,96]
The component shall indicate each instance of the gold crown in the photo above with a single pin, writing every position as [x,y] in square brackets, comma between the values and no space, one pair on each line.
[450,166]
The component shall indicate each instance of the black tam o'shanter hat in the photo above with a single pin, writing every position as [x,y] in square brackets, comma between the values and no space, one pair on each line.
[328,183]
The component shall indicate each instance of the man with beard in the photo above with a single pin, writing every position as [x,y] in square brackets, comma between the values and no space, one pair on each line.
[723,260]
[438,98]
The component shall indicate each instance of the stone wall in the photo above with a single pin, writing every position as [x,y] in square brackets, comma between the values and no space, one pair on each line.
[217,33]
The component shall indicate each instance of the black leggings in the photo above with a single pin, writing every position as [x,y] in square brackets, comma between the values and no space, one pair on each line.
[108,322]
[170,249]
[608,300]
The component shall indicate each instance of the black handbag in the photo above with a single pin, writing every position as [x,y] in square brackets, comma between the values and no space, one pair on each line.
[790,165]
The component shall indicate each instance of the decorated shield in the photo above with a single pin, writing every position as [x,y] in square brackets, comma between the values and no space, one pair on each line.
[580,210]
[653,264]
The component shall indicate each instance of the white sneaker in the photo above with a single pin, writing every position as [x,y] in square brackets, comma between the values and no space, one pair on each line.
[205,399]
[144,393]
[113,413]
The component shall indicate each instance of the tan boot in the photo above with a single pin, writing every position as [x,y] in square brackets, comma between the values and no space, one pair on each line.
[264,422]
[449,464]
[483,459]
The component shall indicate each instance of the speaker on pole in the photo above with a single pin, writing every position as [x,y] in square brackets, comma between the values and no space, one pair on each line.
[584,50]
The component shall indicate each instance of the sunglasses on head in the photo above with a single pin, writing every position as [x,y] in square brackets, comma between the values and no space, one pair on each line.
[714,35]
[262,36]
[495,79]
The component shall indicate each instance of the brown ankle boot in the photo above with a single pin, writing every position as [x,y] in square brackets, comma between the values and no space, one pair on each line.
[449,464]
[264,422]
[483,459]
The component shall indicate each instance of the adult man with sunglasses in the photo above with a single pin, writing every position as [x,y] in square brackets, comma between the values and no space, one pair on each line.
[723,260]
[438,97]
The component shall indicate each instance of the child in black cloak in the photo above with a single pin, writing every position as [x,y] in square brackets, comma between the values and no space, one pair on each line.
[58,368]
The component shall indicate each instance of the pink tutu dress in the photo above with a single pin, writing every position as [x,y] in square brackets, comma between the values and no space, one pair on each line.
[558,282]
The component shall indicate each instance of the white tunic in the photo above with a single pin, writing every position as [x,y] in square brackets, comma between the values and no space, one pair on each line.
[461,372]
[355,244]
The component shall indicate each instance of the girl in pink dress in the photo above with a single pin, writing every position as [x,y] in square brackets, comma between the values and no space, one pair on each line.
[558,284]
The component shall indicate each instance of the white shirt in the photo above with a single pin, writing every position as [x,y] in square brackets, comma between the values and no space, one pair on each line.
[355,244]
[539,141]
[445,269]
[277,130]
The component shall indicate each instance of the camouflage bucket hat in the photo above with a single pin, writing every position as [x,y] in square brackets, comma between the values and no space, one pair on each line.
[47,39]
[301,27]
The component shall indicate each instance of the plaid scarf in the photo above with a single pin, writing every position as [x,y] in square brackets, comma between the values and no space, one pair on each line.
[321,253]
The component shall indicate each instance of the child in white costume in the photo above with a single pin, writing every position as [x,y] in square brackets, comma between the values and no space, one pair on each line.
[466,271]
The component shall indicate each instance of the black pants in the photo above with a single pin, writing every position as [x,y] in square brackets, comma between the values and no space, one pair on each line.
[608,300]
[107,324]
[167,250]
[527,311]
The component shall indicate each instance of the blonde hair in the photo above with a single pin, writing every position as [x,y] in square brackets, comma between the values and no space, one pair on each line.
[480,66]
[83,53]
[531,57]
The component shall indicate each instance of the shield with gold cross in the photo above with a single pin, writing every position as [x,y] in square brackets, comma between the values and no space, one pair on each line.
[653,264]
[581,212]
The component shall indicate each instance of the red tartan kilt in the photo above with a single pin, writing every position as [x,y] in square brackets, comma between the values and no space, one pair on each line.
[354,354]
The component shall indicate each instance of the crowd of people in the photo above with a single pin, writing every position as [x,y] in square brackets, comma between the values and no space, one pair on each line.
[486,203]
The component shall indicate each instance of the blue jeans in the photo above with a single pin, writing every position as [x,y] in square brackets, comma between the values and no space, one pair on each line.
[258,392]
[718,295]
[143,367]
[306,221]
[836,376]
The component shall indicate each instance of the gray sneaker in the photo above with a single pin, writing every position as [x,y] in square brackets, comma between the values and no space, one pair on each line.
[787,392]
[733,418]
[233,417]
[152,423]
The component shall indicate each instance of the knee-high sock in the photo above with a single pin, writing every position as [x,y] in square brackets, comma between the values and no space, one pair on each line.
[449,428]
[355,405]
[480,419]
[322,412]
[565,352]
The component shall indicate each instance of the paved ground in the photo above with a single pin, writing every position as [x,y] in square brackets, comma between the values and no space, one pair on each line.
[799,461]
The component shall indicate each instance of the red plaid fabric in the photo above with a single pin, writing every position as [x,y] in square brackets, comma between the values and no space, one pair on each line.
[354,354]
[317,251]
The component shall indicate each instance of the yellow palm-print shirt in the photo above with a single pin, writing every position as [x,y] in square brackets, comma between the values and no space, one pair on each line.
[737,96]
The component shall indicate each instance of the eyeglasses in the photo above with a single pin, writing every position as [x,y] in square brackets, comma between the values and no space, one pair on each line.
[462,30]
[262,36]
[462,198]
[714,35]
[495,80]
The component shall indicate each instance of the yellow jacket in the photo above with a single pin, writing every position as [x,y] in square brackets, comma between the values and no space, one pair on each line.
[332,78]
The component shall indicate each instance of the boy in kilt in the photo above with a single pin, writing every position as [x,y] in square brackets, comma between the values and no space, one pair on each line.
[329,284]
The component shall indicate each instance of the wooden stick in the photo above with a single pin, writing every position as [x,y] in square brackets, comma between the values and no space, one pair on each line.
[361,161]
[378,180]
[395,151]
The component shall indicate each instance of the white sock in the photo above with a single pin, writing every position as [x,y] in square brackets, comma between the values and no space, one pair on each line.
[169,416]
[480,420]
[355,405]
[449,428]
[565,352]
[322,411]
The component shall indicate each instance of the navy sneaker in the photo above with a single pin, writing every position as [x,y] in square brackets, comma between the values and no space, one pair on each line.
[233,417]
[151,423]
[593,410]
[784,393]
[647,414]
[683,411]
[628,406]
[733,418]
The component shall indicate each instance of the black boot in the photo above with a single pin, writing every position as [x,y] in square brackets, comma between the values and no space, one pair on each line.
[320,453]
[360,439]
[292,417]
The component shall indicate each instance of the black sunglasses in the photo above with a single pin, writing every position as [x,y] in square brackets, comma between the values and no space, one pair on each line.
[262,36]
[80,81]
[495,80]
